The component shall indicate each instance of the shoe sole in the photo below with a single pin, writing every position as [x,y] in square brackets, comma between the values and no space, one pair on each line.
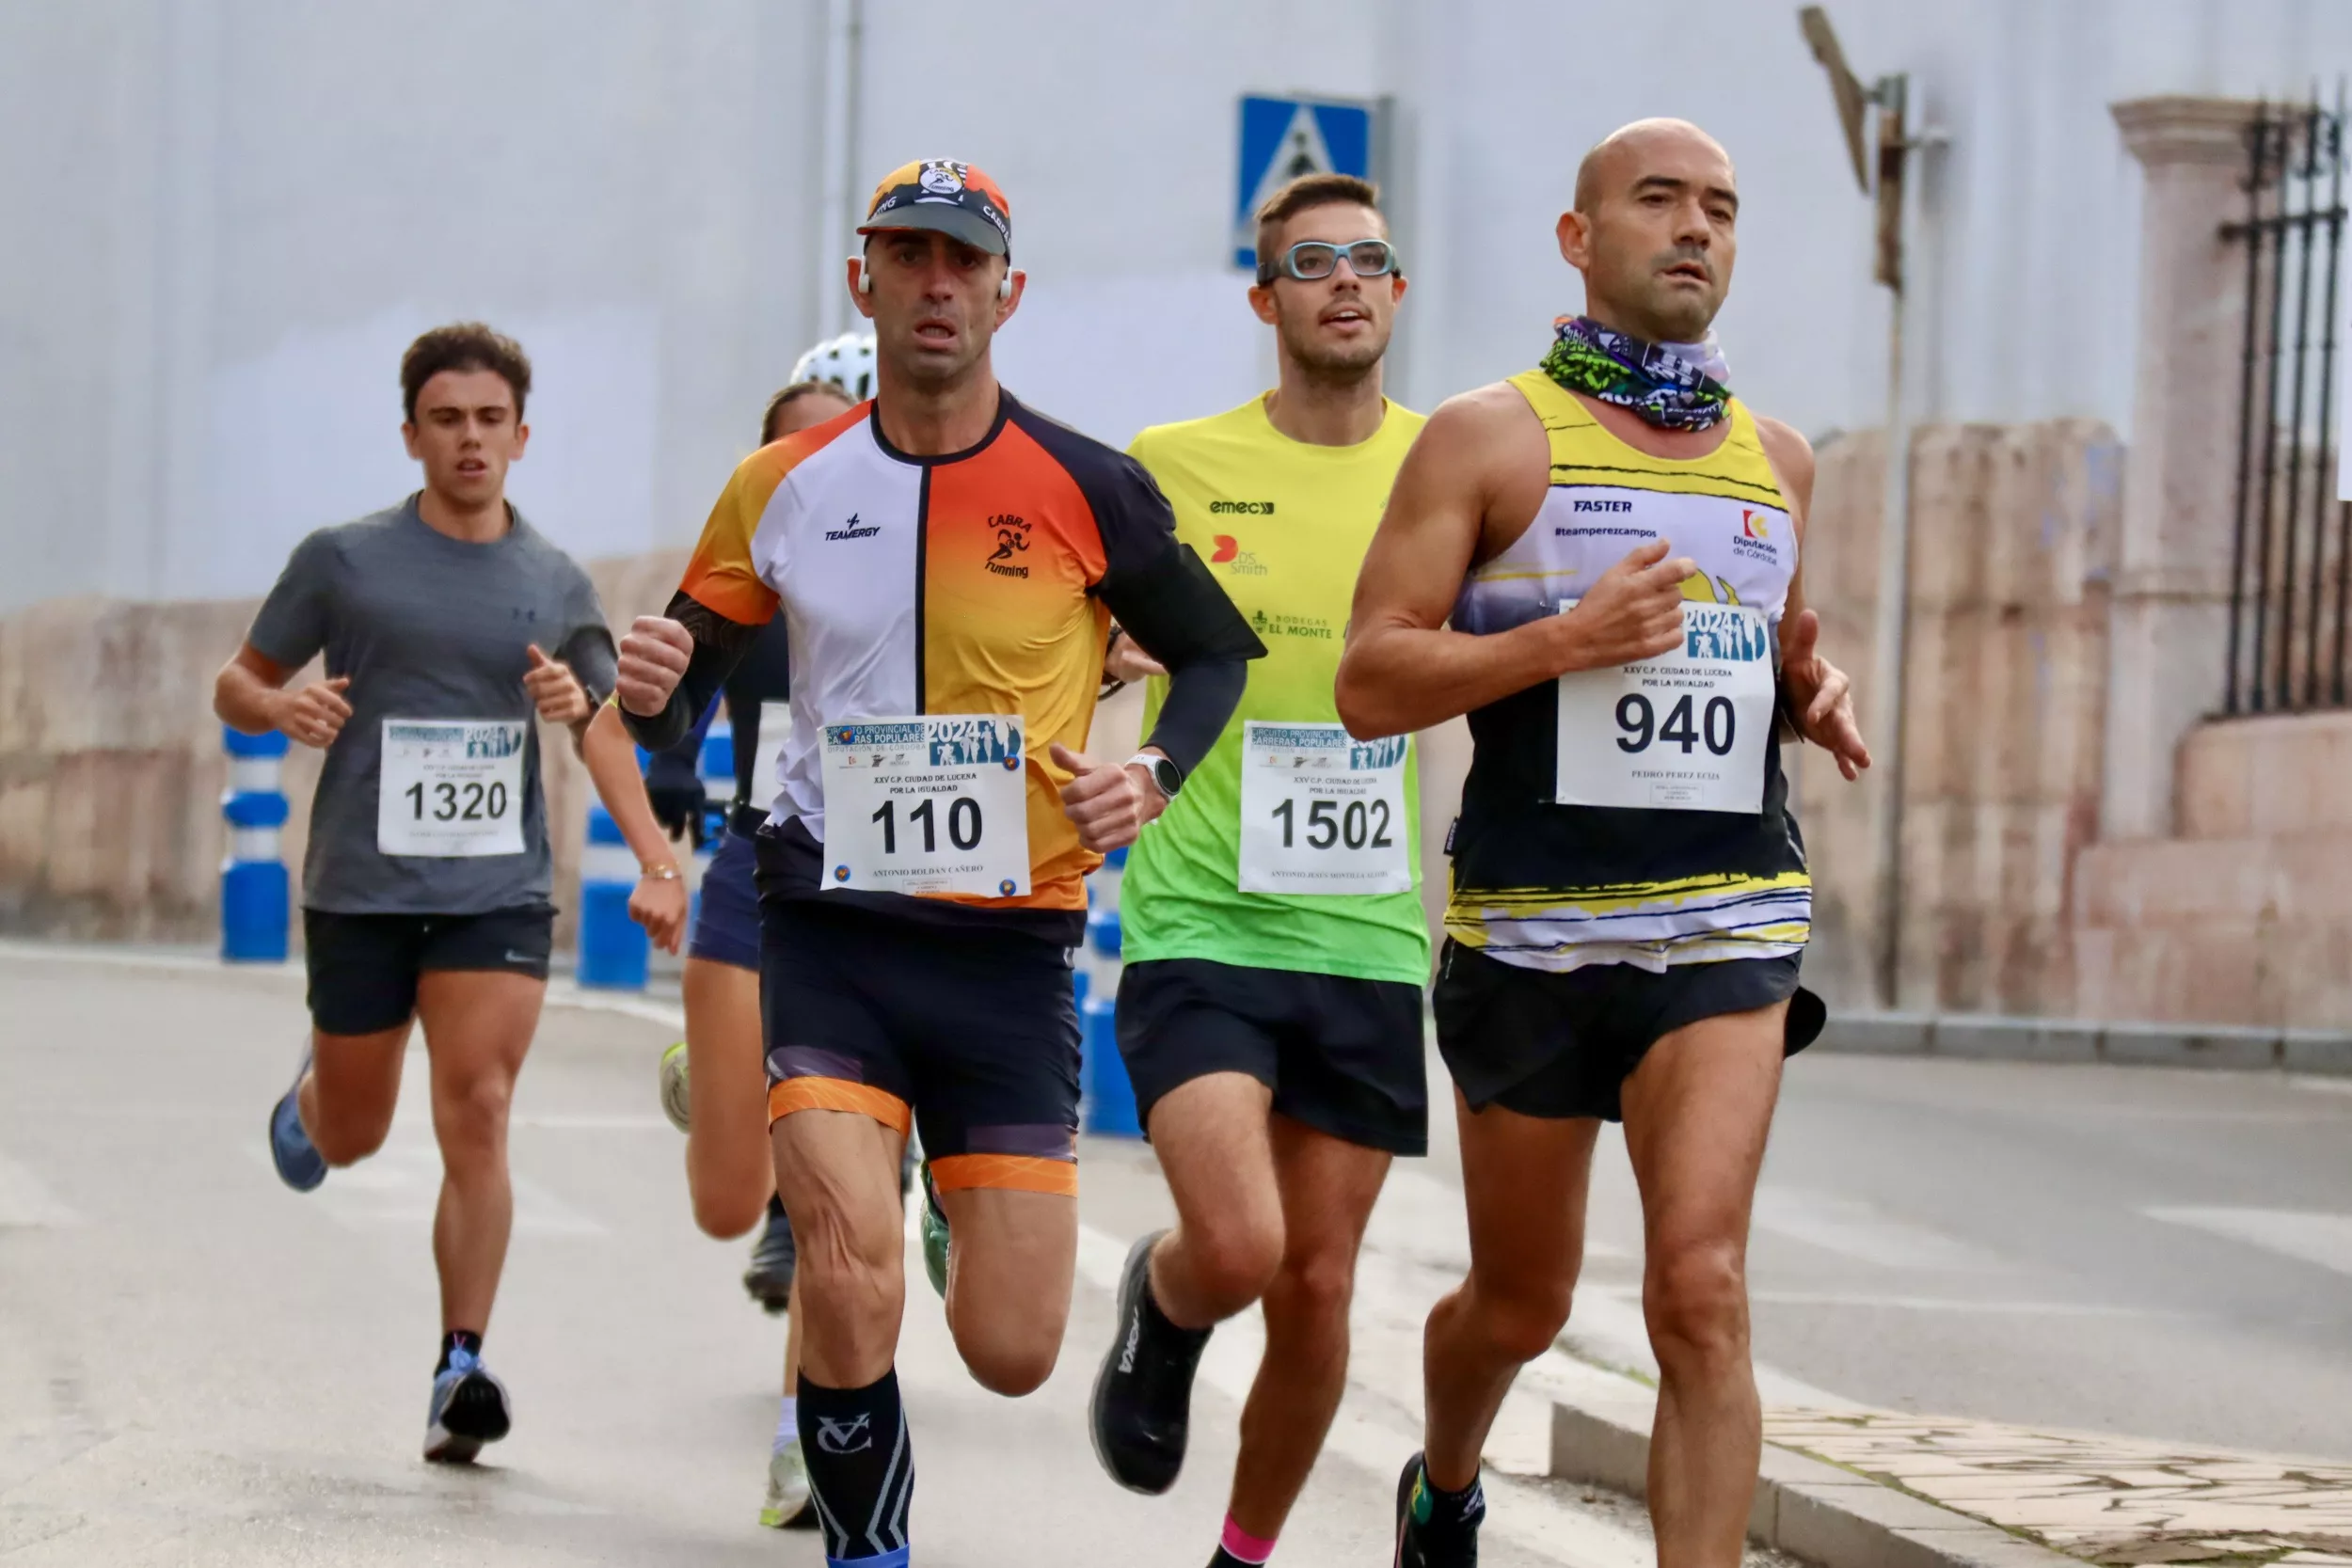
[804,1519]
[675,1105]
[1128,1277]
[934,1217]
[1404,1507]
[479,1407]
[443,1447]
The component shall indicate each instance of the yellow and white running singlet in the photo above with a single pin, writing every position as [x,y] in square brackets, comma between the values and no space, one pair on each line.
[1638,815]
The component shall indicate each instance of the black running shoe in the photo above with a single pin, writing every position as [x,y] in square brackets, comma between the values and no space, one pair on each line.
[774,1258]
[1142,1409]
[1432,1532]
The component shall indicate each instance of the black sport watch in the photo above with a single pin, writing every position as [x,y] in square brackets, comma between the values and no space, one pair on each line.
[1166,776]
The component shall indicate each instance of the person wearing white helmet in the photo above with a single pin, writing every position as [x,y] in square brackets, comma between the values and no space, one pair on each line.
[846,362]
[713,1087]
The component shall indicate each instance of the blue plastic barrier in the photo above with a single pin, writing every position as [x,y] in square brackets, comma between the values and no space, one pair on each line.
[1107,1098]
[613,951]
[256,902]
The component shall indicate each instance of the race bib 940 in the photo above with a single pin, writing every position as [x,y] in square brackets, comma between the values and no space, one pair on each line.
[1684,730]
[1322,812]
[451,787]
[933,803]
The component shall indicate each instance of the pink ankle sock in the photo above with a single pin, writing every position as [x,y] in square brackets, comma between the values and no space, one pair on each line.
[1240,1544]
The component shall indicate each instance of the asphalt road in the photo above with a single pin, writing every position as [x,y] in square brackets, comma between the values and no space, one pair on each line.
[2151,1252]
[198,1367]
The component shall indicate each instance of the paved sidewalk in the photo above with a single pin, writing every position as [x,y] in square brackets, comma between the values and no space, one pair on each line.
[2109,1499]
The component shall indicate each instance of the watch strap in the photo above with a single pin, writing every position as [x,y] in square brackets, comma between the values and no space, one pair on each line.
[1164,775]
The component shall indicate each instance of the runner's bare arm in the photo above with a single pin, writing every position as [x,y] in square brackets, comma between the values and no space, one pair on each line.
[658,904]
[1820,695]
[249,696]
[1482,456]
[611,759]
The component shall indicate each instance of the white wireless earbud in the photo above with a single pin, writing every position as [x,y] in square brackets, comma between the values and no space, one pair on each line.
[865,278]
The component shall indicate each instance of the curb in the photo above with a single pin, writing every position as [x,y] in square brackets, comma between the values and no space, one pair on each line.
[1986,1037]
[1804,1506]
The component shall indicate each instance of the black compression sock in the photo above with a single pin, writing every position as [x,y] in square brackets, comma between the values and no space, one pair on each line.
[457,1338]
[860,1466]
[1165,1329]
[1437,1509]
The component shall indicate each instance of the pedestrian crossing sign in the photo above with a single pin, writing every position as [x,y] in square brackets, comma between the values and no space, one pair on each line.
[1282,138]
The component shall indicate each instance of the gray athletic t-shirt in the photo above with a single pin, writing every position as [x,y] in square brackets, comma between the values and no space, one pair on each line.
[427,627]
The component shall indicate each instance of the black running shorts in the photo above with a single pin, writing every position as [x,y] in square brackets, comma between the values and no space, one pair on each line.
[1343,1056]
[363,968]
[1560,1045]
[970,1035]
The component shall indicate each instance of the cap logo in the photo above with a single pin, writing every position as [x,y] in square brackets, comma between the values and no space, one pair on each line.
[942,177]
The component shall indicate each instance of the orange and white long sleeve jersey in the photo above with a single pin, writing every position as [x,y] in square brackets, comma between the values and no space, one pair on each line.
[982,582]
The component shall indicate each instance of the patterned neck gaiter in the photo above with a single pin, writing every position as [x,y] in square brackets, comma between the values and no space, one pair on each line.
[1672,385]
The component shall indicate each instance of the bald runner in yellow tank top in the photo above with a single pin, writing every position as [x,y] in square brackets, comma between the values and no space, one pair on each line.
[1676,846]
[1597,563]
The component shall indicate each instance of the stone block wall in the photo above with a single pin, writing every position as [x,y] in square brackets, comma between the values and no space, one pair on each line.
[111,768]
[2245,914]
[2013,533]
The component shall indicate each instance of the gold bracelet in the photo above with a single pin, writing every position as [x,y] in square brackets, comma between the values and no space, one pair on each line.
[657,872]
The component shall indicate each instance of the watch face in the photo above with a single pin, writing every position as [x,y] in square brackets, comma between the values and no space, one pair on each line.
[1170,776]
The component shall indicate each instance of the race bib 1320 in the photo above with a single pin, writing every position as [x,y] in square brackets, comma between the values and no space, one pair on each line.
[451,787]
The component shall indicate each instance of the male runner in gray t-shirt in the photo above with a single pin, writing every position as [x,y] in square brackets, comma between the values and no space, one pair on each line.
[447,622]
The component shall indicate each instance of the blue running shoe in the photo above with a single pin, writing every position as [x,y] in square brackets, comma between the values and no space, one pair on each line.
[468,1409]
[300,1165]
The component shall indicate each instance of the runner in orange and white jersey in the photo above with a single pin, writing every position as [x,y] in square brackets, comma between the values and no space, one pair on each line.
[947,562]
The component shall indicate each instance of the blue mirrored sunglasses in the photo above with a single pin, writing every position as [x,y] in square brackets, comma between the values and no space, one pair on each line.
[1310,260]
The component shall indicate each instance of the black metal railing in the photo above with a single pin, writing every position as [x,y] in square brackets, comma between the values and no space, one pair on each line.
[2291,548]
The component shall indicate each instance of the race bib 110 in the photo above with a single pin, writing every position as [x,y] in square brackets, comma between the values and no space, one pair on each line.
[935,803]
[1322,812]
[451,787]
[1684,730]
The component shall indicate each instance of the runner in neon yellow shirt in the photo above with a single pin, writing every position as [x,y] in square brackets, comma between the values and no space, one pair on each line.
[1270,1013]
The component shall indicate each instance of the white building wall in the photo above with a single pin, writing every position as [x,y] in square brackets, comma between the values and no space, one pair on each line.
[228,216]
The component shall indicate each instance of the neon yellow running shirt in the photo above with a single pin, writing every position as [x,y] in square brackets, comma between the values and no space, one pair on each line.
[1284,526]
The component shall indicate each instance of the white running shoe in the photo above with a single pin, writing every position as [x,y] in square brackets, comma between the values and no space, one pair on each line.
[673,1100]
[787,1506]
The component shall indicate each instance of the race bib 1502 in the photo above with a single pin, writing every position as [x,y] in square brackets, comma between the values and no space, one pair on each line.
[451,787]
[1684,730]
[935,803]
[1322,812]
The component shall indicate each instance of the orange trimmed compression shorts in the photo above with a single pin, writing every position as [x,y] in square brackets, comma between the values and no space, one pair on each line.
[971,1035]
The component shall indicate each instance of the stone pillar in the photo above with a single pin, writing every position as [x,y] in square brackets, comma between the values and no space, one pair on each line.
[2170,625]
